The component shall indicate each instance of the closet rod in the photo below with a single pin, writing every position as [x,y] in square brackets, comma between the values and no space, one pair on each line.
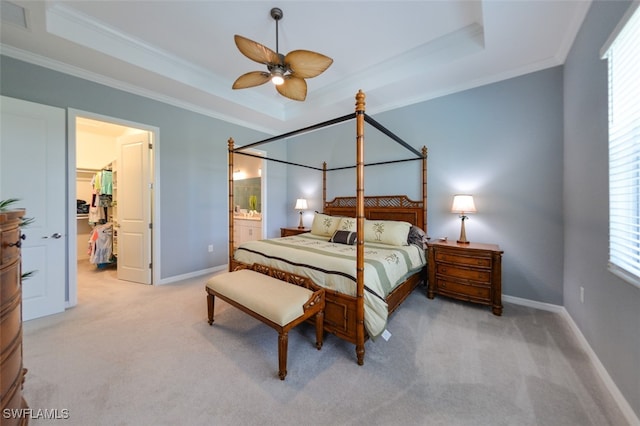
[87,170]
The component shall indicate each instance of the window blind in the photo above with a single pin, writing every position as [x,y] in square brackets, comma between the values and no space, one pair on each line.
[623,56]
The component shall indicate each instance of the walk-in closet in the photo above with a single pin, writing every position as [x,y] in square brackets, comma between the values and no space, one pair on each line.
[109,172]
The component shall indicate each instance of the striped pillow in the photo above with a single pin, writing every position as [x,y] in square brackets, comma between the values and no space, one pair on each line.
[343,237]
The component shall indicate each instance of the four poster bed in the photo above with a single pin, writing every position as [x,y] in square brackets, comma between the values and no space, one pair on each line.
[361,288]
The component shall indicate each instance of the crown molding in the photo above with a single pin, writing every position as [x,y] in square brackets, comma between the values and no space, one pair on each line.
[71,70]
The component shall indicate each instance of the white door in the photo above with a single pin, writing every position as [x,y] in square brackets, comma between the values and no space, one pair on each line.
[33,169]
[133,203]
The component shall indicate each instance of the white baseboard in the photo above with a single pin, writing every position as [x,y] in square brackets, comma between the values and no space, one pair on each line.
[209,271]
[533,304]
[624,406]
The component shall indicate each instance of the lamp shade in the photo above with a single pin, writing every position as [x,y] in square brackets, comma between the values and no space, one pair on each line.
[463,204]
[301,204]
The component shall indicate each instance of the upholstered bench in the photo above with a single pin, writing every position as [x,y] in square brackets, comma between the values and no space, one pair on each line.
[277,298]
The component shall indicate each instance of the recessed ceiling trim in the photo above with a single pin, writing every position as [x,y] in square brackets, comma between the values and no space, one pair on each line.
[509,33]
[81,29]
[572,30]
[51,64]
[463,42]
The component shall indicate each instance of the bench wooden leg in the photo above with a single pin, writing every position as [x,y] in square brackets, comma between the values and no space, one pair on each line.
[319,329]
[210,304]
[283,340]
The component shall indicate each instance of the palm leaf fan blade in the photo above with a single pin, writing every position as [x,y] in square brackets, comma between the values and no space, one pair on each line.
[251,79]
[256,51]
[293,88]
[307,64]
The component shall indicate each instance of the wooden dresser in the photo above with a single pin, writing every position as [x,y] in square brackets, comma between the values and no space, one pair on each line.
[11,371]
[471,272]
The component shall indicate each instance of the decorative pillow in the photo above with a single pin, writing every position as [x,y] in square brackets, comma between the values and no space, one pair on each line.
[390,232]
[348,224]
[417,237]
[324,225]
[344,237]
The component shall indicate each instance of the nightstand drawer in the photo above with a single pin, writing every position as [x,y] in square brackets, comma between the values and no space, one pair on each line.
[443,256]
[460,290]
[465,273]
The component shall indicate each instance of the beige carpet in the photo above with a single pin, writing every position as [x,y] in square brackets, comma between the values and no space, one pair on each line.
[131,354]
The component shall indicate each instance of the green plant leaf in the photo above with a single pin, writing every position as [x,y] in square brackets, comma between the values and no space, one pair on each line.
[26,221]
[26,275]
[5,204]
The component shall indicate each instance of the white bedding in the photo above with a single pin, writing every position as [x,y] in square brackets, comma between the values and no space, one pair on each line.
[333,266]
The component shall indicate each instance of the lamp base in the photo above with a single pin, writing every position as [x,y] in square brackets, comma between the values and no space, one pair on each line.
[300,225]
[463,234]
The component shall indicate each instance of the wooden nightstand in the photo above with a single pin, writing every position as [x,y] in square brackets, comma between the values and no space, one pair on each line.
[287,232]
[470,272]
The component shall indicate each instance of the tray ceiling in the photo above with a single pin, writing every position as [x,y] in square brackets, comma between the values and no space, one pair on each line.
[398,52]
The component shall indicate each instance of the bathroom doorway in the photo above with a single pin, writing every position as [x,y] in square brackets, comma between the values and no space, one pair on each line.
[249,192]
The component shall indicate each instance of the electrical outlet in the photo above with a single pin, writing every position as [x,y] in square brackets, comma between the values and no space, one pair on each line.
[210,248]
[581,294]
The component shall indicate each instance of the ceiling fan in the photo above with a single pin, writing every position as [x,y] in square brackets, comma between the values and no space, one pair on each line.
[287,73]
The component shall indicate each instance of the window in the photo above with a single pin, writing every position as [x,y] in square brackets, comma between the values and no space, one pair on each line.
[622,52]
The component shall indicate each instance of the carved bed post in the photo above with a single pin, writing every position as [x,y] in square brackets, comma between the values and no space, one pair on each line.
[360,107]
[424,188]
[231,202]
[324,185]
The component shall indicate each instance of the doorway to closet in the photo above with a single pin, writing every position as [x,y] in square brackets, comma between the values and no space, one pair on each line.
[114,186]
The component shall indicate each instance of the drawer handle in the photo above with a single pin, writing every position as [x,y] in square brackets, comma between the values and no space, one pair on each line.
[18,243]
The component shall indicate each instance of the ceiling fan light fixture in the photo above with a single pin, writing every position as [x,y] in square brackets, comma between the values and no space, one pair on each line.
[286,72]
[277,76]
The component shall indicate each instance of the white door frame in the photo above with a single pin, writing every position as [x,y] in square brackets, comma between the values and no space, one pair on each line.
[72,249]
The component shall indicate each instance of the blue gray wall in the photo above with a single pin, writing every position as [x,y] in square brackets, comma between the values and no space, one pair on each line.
[193,161]
[609,318]
[502,143]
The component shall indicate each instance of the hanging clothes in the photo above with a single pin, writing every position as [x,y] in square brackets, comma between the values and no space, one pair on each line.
[106,182]
[95,182]
[101,244]
[95,215]
[102,196]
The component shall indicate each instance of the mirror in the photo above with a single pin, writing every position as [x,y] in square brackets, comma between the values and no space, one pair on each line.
[247,184]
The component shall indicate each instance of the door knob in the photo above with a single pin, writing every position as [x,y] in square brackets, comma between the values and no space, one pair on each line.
[54,235]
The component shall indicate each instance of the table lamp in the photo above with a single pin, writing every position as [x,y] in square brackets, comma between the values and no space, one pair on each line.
[301,204]
[463,204]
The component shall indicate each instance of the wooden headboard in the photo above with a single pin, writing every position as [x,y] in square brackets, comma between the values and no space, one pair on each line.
[383,207]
